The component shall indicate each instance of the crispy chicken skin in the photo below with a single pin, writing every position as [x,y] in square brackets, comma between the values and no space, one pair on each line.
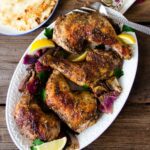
[99,65]
[75,31]
[77,109]
[33,122]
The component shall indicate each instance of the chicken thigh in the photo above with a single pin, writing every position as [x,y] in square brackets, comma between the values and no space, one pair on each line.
[77,109]
[33,122]
[75,31]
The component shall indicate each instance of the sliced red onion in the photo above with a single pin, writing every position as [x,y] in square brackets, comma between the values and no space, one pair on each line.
[32,86]
[107,102]
[29,59]
[39,67]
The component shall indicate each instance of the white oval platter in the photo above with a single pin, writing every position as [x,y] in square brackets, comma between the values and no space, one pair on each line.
[90,134]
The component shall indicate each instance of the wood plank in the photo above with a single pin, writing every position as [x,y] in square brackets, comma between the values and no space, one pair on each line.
[5,140]
[11,50]
[11,53]
[140,91]
[139,12]
[131,130]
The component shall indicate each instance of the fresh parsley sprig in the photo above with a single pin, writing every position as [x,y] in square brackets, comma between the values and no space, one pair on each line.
[127,29]
[118,72]
[48,33]
[35,143]
[85,87]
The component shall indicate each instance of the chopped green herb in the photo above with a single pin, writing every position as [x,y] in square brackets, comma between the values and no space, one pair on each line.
[118,72]
[32,148]
[127,29]
[43,76]
[43,95]
[48,33]
[85,87]
[36,142]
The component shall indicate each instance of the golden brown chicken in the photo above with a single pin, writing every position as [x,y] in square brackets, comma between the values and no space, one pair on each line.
[99,66]
[77,109]
[33,122]
[75,31]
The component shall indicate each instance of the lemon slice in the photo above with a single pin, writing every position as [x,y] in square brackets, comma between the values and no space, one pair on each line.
[40,44]
[127,38]
[76,58]
[53,145]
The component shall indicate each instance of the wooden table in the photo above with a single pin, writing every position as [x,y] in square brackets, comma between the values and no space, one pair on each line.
[131,130]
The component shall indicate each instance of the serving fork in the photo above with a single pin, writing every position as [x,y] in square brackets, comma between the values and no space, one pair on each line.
[113,14]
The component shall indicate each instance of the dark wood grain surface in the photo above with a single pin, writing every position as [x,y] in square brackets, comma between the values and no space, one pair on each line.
[131,129]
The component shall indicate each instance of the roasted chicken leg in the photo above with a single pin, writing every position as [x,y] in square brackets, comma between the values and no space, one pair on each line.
[75,31]
[33,122]
[78,110]
[99,66]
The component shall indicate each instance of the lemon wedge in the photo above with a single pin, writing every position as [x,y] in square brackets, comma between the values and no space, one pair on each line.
[76,58]
[127,38]
[40,44]
[53,145]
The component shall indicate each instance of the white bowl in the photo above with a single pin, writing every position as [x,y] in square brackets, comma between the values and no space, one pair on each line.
[7,30]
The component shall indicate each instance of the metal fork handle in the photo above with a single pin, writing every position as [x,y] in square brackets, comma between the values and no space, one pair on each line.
[135,26]
[120,18]
[138,27]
